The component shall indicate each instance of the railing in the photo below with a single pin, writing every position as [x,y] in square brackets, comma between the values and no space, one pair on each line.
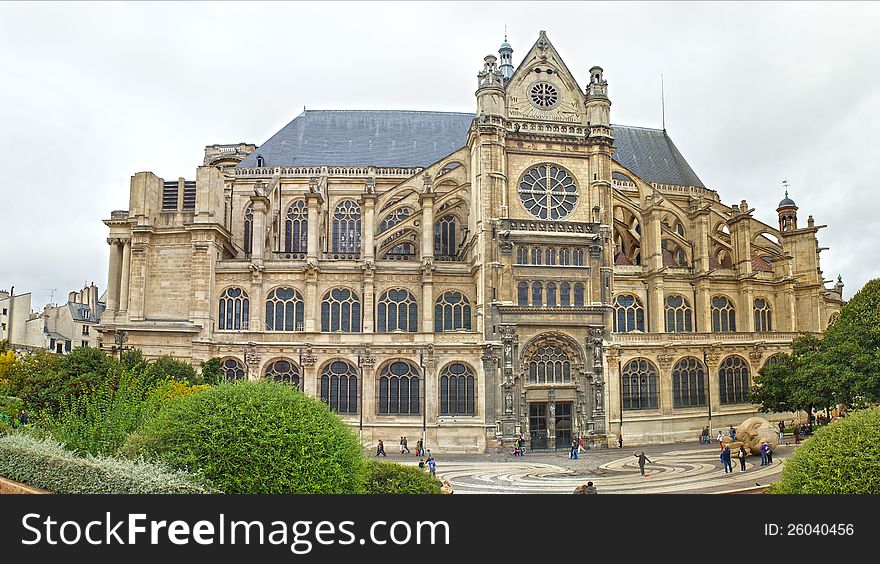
[549,226]
[629,269]
[310,171]
[650,338]
[342,256]
[288,255]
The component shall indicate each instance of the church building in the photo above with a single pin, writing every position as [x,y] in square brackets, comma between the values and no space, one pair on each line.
[529,268]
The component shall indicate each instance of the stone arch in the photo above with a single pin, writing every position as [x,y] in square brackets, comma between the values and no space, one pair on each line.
[554,338]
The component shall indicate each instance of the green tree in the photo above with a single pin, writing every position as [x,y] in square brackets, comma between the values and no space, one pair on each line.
[167,367]
[211,373]
[133,359]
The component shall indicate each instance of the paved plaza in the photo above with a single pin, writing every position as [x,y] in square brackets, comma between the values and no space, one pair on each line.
[675,468]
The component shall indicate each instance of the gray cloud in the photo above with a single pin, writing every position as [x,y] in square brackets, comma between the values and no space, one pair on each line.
[755,93]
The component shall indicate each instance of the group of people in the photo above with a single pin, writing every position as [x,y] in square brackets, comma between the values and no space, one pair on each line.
[404,448]
[726,459]
[577,445]
[587,488]
[519,446]
[16,420]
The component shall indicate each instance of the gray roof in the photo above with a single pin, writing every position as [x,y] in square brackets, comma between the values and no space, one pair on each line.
[397,138]
[652,155]
[364,137]
[82,312]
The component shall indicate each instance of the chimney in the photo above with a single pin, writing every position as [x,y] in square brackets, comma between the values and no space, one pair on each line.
[93,300]
[71,297]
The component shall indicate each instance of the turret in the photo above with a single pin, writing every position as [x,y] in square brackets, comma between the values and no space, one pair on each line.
[506,54]
[787,211]
[598,105]
[490,89]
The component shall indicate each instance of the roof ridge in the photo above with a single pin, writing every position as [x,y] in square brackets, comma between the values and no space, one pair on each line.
[395,111]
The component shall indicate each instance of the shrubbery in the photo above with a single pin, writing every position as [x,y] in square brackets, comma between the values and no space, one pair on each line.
[47,465]
[841,458]
[392,478]
[256,437]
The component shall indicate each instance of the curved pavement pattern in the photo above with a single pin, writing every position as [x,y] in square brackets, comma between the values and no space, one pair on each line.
[675,471]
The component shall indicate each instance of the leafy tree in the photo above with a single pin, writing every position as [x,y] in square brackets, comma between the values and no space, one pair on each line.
[133,359]
[211,373]
[168,368]
[37,380]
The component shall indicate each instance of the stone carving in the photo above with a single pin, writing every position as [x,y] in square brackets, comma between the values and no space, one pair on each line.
[754,431]
[508,402]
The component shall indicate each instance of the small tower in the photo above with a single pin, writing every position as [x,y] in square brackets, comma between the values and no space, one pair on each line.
[598,104]
[787,211]
[506,54]
[839,286]
[490,89]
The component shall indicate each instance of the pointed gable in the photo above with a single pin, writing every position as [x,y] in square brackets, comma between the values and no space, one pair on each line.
[543,88]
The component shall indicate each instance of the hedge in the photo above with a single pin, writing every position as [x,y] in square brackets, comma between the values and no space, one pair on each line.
[255,438]
[841,458]
[45,464]
[393,478]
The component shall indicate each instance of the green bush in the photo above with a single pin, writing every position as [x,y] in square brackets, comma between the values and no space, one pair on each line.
[257,437]
[393,478]
[841,458]
[47,465]
[211,373]
[168,368]
[10,407]
[98,422]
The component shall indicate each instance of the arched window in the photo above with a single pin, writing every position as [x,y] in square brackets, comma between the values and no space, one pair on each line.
[679,316]
[249,230]
[763,316]
[564,257]
[577,256]
[399,387]
[444,237]
[522,294]
[394,218]
[565,294]
[550,256]
[733,380]
[771,361]
[639,385]
[296,228]
[688,383]
[341,311]
[397,311]
[551,294]
[522,255]
[232,369]
[537,255]
[549,365]
[260,161]
[339,387]
[457,390]
[283,371]
[452,312]
[578,295]
[629,314]
[234,310]
[537,292]
[347,228]
[679,228]
[723,315]
[284,310]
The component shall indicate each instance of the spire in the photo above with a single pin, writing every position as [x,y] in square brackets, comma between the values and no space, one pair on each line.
[506,55]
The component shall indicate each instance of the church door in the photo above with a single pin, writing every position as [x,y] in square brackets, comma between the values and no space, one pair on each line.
[563,425]
[538,425]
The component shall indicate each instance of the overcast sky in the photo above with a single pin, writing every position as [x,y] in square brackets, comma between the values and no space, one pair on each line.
[91,93]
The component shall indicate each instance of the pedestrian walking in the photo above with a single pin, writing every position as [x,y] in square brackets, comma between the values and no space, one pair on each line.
[419,451]
[797,434]
[705,435]
[781,432]
[620,440]
[721,439]
[573,453]
[432,466]
[401,445]
[742,454]
[380,448]
[732,433]
[769,455]
[581,445]
[642,459]
[406,445]
[522,446]
[23,418]
[422,464]
[725,460]
[764,449]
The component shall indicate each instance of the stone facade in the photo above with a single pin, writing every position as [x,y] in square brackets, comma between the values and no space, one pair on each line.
[62,328]
[518,283]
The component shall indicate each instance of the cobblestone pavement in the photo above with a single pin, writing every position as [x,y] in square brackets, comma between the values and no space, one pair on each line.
[674,468]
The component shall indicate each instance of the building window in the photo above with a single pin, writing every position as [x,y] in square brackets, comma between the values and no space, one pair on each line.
[549,365]
[537,255]
[629,314]
[537,291]
[341,311]
[763,316]
[688,383]
[189,195]
[522,294]
[232,369]
[405,250]
[234,310]
[347,228]
[296,228]
[284,310]
[723,315]
[339,387]
[394,218]
[578,257]
[639,385]
[260,161]
[733,380]
[548,192]
[85,330]
[678,315]
[399,389]
[550,256]
[84,344]
[444,237]
[283,371]
[565,294]
[457,387]
[397,311]
[578,295]
[249,231]
[522,255]
[452,312]
[564,257]
[551,294]
[169,195]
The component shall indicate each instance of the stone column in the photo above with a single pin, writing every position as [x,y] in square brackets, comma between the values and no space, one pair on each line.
[368,225]
[747,299]
[258,244]
[368,388]
[314,201]
[309,377]
[126,266]
[138,276]
[656,293]
[368,300]
[313,301]
[703,306]
[427,202]
[113,276]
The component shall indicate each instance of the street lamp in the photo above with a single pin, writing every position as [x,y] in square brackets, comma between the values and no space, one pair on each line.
[120,338]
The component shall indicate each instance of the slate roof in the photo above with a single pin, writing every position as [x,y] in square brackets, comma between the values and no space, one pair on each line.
[400,138]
